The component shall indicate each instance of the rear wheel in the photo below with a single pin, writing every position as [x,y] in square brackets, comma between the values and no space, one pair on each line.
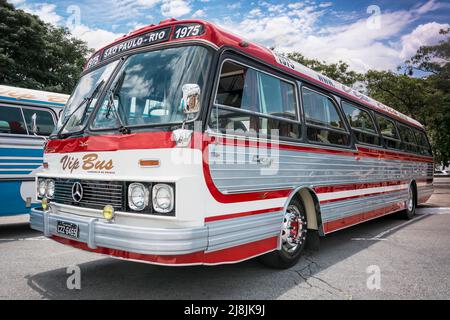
[293,238]
[410,204]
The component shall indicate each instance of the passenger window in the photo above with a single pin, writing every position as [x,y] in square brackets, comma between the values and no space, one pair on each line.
[422,142]
[247,89]
[389,132]
[320,110]
[261,103]
[361,123]
[407,136]
[277,97]
[325,125]
[45,122]
[11,121]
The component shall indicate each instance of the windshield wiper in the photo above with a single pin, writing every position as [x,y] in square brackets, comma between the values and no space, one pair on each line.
[86,100]
[111,105]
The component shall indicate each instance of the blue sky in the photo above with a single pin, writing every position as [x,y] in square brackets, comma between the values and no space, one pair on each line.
[366,34]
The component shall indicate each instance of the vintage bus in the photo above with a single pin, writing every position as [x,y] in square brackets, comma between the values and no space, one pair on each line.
[184,144]
[21,148]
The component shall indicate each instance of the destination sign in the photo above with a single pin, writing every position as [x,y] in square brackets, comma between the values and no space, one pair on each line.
[153,37]
[146,39]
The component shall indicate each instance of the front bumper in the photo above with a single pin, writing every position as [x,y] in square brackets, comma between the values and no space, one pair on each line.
[95,232]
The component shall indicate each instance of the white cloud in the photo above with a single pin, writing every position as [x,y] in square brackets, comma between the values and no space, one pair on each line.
[175,8]
[45,11]
[16,2]
[297,27]
[234,6]
[95,38]
[199,13]
[424,34]
[325,4]
[148,3]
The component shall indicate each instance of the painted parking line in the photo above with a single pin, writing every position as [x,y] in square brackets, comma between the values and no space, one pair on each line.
[433,210]
[379,237]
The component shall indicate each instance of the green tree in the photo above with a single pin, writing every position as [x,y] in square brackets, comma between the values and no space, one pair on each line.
[37,55]
[427,98]
[337,71]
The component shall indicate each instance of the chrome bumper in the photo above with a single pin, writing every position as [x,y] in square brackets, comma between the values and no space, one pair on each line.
[99,233]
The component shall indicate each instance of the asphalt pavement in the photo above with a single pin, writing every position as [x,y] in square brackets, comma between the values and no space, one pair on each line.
[386,258]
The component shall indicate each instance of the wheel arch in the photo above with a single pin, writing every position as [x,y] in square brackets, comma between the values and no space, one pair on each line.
[312,206]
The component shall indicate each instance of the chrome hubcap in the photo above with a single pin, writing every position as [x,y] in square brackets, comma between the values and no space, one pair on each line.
[410,201]
[294,229]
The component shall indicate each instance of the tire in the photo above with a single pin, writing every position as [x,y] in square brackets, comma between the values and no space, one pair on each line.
[410,204]
[293,240]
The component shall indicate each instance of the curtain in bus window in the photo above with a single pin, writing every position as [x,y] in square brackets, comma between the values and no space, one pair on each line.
[11,121]
[250,97]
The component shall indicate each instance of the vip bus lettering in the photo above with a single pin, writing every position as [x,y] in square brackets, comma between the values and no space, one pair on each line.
[70,163]
[90,162]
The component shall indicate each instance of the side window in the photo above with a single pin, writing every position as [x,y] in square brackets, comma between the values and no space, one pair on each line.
[44,121]
[254,103]
[11,121]
[408,140]
[389,132]
[422,142]
[324,123]
[361,123]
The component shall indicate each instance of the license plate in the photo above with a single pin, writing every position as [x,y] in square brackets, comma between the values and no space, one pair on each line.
[68,229]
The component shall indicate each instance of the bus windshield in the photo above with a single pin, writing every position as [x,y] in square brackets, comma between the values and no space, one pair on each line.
[78,108]
[147,90]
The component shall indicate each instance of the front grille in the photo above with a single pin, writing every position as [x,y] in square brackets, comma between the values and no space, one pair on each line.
[96,194]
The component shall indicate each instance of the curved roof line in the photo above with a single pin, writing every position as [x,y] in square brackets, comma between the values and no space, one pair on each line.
[221,38]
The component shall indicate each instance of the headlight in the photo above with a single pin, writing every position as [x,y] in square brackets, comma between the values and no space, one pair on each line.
[41,188]
[162,196]
[50,185]
[137,196]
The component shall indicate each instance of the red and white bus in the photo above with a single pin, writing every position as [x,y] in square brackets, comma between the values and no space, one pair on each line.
[184,144]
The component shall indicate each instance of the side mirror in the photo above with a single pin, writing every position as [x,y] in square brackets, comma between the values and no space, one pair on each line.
[191,98]
[34,128]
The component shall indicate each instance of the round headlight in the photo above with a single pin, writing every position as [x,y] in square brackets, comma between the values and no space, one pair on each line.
[137,196]
[163,198]
[50,188]
[41,188]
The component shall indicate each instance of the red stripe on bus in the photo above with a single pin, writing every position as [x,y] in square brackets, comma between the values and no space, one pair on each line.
[233,254]
[163,140]
[361,217]
[145,140]
[241,214]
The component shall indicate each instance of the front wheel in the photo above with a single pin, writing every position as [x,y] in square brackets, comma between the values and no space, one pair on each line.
[293,238]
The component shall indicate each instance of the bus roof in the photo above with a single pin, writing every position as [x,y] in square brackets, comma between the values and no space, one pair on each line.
[14,94]
[171,30]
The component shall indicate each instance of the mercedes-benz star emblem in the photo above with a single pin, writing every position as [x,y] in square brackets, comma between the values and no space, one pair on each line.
[77,192]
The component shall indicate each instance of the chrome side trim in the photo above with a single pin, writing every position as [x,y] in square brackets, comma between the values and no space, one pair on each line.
[238,231]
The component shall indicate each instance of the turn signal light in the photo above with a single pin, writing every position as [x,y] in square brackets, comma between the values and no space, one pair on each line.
[149,163]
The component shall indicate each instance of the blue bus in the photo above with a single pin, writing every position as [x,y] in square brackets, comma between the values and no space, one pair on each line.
[27,117]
